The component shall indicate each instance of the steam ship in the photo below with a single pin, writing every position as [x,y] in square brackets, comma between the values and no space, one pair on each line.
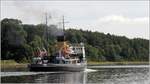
[67,57]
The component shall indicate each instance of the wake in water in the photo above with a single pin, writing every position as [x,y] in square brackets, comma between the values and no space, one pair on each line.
[3,74]
[90,70]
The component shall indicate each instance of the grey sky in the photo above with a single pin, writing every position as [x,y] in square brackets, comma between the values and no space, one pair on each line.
[128,18]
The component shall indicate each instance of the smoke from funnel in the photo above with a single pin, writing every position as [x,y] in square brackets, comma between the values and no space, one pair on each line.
[56,26]
[37,13]
[55,31]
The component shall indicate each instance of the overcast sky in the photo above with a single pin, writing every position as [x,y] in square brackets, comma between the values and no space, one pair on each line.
[125,18]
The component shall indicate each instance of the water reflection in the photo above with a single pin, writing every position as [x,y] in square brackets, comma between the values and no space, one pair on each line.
[98,75]
[62,77]
[69,78]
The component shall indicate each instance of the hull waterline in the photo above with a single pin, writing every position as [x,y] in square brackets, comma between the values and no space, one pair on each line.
[57,67]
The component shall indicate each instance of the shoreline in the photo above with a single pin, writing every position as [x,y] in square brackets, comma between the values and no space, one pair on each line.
[12,64]
[90,63]
[5,66]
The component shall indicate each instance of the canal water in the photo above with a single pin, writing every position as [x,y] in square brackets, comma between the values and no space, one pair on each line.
[94,74]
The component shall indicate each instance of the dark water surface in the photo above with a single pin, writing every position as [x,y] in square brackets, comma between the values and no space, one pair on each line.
[96,74]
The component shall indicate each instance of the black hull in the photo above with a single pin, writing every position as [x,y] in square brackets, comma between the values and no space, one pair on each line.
[57,67]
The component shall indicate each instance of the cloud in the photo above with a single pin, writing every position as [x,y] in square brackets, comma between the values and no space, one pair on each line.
[118,25]
[123,19]
[125,26]
[128,18]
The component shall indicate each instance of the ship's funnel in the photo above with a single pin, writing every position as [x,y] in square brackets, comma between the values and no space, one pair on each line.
[61,38]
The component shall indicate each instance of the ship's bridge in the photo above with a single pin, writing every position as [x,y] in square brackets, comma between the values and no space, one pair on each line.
[77,48]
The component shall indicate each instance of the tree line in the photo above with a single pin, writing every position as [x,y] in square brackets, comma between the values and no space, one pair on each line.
[19,41]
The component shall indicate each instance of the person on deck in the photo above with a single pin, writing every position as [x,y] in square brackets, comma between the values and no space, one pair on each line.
[41,54]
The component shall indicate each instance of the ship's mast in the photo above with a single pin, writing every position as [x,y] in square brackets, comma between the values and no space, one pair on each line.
[46,27]
[46,32]
[63,24]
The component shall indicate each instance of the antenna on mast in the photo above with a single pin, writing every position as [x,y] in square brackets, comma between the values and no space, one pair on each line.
[63,23]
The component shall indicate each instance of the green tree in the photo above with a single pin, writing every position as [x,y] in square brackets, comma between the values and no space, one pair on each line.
[13,38]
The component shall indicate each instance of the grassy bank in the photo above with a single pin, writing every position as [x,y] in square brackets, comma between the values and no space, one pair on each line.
[117,63]
[11,64]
